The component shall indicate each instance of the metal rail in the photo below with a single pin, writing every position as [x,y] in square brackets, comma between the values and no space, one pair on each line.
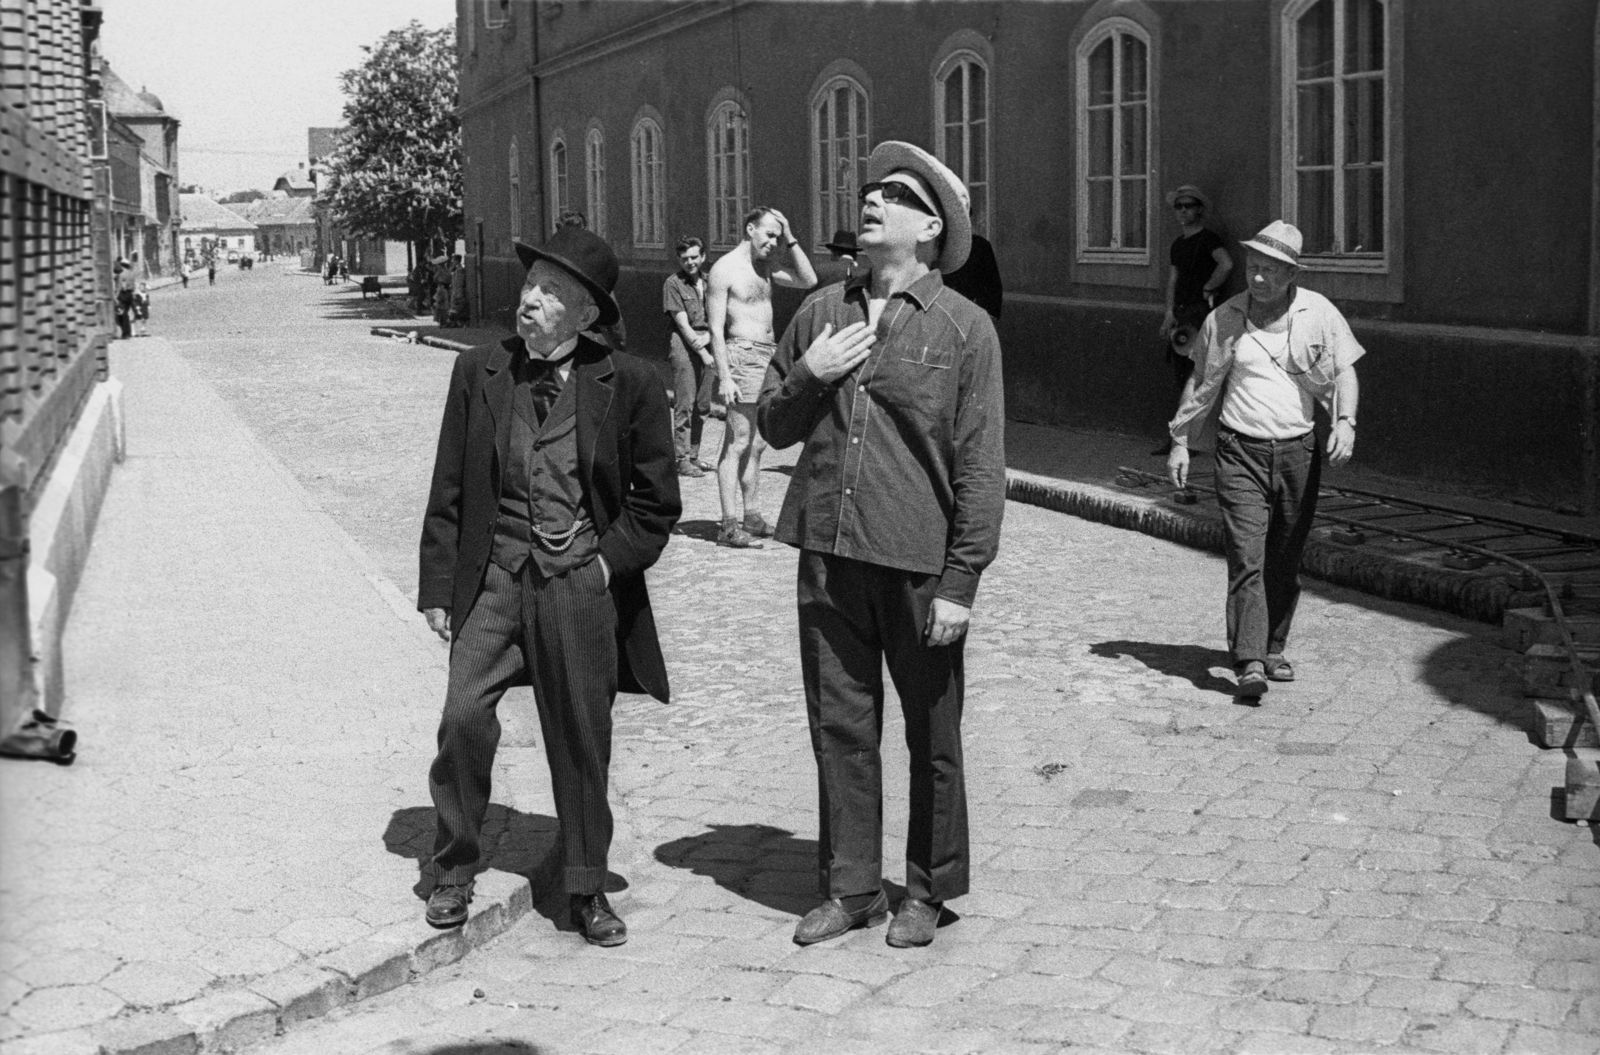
[1580,674]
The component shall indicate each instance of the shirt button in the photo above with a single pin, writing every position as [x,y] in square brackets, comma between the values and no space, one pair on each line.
[854,440]
[847,490]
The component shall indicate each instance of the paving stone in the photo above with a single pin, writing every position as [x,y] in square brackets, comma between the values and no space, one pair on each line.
[1517,1004]
[818,993]
[1460,1036]
[65,1007]
[150,983]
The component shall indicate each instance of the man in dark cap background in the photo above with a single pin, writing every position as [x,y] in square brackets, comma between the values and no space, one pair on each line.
[892,381]
[553,490]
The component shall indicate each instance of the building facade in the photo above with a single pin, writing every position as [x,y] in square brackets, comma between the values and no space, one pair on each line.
[142,112]
[284,226]
[210,228]
[1439,156]
[58,426]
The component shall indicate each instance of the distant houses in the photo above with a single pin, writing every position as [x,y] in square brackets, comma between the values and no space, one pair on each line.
[208,226]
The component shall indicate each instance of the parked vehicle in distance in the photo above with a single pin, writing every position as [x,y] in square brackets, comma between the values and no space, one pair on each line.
[233,256]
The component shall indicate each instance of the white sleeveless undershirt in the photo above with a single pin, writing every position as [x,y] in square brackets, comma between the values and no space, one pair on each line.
[1262,400]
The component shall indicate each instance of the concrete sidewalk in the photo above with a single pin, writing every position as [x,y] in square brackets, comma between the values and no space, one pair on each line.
[236,847]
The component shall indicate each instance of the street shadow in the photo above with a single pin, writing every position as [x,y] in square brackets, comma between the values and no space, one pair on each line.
[1192,663]
[487,1047]
[758,862]
[523,844]
[700,530]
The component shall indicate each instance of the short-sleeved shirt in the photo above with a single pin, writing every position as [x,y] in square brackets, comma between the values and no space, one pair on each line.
[1193,256]
[680,294]
[1319,348]
[904,459]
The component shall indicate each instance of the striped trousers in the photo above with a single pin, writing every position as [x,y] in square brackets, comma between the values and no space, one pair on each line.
[561,633]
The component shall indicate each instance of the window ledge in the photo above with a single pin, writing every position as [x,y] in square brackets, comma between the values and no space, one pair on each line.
[1346,264]
[1124,257]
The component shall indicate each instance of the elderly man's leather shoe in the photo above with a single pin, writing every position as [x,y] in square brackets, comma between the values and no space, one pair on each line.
[447,905]
[914,924]
[591,913]
[831,919]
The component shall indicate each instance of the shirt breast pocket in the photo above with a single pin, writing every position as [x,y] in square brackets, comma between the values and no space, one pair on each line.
[934,357]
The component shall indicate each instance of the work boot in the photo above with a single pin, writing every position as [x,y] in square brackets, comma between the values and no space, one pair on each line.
[735,537]
[757,525]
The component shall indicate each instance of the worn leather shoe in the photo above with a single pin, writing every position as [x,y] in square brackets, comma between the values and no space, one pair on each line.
[914,924]
[447,905]
[1253,679]
[591,913]
[830,919]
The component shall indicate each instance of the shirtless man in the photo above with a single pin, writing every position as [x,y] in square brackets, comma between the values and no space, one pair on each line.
[739,312]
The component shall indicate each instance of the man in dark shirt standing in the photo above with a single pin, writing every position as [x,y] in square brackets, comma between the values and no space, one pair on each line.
[683,299]
[892,381]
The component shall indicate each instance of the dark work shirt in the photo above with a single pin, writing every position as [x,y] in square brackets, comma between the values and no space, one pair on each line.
[680,294]
[979,278]
[1192,256]
[904,459]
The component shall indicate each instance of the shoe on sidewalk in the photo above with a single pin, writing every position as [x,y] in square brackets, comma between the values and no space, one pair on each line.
[831,919]
[592,914]
[913,926]
[709,467]
[1253,679]
[1278,668]
[447,905]
[733,536]
[757,525]
[686,467]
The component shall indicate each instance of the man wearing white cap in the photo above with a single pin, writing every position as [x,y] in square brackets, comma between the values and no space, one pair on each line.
[1265,360]
[892,382]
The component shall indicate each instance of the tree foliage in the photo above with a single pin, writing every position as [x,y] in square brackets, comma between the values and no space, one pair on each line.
[240,196]
[396,171]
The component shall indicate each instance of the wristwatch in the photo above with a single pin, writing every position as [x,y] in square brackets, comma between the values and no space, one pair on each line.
[1347,417]
[791,243]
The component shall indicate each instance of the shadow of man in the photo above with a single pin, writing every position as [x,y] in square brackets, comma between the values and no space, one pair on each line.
[524,844]
[758,862]
[1192,663]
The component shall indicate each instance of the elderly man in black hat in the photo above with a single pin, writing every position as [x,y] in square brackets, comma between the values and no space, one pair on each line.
[892,382]
[553,490]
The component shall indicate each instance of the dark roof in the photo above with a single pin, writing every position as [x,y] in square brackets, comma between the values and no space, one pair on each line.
[268,212]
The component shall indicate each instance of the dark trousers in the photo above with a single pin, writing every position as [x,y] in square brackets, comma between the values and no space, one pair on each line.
[562,632]
[691,399]
[855,616]
[1268,493]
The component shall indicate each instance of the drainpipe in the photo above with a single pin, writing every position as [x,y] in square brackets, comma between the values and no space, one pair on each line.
[538,130]
[1590,366]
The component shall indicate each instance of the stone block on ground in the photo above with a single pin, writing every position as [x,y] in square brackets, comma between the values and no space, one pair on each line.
[147,1033]
[1561,724]
[1522,628]
[1583,785]
[1547,670]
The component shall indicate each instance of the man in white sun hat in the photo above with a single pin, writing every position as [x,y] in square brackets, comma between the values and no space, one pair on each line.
[892,382]
[1265,360]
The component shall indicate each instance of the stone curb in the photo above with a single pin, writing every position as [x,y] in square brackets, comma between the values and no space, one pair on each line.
[233,1019]
[1478,597]
[428,339]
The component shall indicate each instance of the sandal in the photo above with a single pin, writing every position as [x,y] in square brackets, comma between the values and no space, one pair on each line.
[1279,669]
[41,736]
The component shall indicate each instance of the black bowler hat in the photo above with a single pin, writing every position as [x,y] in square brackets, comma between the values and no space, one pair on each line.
[588,258]
[843,242]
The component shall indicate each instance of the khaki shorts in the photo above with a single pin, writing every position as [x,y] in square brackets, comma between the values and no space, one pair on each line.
[747,363]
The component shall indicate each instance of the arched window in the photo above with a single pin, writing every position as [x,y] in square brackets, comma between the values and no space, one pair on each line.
[961,101]
[560,198]
[1114,143]
[594,177]
[515,199]
[1336,103]
[840,144]
[727,172]
[649,206]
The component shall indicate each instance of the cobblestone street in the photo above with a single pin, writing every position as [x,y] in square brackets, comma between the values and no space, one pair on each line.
[1367,861]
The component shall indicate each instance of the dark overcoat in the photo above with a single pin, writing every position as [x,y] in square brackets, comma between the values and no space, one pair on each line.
[626,466]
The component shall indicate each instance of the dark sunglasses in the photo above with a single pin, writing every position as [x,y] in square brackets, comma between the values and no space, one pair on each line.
[894,190]
[1186,205]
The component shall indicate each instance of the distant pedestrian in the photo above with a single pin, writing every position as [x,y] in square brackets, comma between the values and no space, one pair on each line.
[460,309]
[329,269]
[843,248]
[122,297]
[183,275]
[211,271]
[1264,361]
[683,299]
[1197,270]
[141,310]
[739,312]
[979,278]
[344,270]
[894,387]
[441,289]
[553,492]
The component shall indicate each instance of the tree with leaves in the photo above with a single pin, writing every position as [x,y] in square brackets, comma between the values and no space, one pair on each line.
[396,171]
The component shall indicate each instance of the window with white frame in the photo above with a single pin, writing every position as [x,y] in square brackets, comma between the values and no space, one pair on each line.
[961,93]
[1114,143]
[649,194]
[840,143]
[496,13]
[515,198]
[1336,125]
[727,173]
[594,178]
[560,198]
